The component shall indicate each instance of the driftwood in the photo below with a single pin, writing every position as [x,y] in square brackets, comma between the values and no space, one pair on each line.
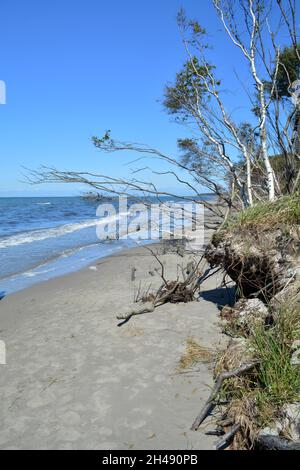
[170,291]
[224,423]
[215,432]
[226,439]
[210,403]
[162,296]
[270,442]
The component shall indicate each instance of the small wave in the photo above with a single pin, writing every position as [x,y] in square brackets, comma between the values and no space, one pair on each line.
[40,235]
[43,267]
[43,203]
[29,274]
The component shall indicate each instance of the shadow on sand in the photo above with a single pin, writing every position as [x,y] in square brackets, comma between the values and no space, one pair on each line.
[220,296]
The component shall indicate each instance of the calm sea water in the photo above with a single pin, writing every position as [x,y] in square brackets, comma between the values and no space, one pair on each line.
[41,238]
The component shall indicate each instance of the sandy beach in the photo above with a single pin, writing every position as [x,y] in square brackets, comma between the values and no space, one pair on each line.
[74,379]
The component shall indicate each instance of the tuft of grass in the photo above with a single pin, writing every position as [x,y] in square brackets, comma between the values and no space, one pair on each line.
[278,381]
[285,211]
[274,382]
[193,354]
[255,399]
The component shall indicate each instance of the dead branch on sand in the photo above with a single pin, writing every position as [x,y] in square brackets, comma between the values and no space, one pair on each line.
[169,291]
[225,440]
[210,403]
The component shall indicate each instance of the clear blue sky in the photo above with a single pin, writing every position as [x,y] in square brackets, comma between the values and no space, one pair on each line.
[74,68]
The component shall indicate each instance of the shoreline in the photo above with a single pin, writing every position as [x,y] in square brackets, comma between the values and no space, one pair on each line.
[32,256]
[74,379]
[64,272]
[110,250]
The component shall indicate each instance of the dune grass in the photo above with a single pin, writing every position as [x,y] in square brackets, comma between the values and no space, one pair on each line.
[285,211]
[278,381]
[256,399]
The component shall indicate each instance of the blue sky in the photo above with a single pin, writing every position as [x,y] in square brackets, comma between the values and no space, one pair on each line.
[75,68]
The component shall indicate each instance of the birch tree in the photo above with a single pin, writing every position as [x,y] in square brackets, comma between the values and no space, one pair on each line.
[229,157]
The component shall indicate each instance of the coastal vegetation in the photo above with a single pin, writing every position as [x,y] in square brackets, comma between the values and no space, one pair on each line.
[253,169]
[260,249]
[285,211]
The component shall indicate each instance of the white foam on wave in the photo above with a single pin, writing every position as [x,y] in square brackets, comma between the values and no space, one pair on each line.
[48,265]
[44,234]
[28,274]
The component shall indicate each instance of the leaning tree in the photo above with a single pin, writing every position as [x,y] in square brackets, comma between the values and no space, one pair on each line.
[224,154]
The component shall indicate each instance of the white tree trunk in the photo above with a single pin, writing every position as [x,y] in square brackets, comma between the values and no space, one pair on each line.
[249,181]
[265,156]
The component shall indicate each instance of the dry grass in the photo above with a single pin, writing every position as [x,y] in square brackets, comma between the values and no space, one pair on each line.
[237,353]
[193,354]
[242,412]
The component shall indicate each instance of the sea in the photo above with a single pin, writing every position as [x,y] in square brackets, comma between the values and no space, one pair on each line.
[45,237]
